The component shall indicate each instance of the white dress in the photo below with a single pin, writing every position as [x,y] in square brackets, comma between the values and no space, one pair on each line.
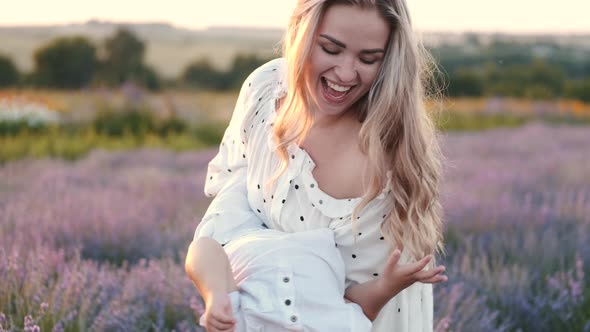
[237,178]
[288,281]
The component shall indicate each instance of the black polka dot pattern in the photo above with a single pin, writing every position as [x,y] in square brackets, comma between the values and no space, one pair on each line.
[323,208]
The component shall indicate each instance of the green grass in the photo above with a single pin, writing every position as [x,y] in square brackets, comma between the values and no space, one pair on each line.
[72,145]
[125,133]
[461,121]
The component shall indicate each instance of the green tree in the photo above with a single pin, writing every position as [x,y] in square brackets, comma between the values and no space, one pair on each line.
[578,90]
[466,82]
[241,67]
[9,75]
[124,61]
[538,80]
[65,63]
[202,74]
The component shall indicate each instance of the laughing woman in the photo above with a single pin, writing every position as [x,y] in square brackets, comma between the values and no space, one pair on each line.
[332,137]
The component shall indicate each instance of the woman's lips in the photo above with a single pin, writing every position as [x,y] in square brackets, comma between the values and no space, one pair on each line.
[334,96]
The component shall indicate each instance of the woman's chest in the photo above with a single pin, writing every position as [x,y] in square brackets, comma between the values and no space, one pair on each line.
[339,168]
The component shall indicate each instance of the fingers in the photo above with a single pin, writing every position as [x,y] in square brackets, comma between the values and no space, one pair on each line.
[435,279]
[432,276]
[223,318]
[220,321]
[393,259]
[214,324]
[418,266]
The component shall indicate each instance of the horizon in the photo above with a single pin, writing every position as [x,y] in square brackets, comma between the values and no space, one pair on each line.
[277,28]
[453,16]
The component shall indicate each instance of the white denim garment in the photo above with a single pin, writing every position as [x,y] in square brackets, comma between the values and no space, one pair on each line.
[289,282]
[237,178]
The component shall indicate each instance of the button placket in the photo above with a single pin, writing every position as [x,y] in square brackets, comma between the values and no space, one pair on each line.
[286,293]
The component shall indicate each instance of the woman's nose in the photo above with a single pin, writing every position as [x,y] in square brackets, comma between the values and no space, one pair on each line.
[346,71]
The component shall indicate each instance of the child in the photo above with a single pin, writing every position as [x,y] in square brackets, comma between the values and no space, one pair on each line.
[284,282]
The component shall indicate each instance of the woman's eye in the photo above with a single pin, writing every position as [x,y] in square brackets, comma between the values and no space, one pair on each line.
[329,51]
[368,62]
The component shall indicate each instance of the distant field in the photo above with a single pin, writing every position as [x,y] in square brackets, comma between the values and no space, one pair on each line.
[169,51]
[193,105]
[202,117]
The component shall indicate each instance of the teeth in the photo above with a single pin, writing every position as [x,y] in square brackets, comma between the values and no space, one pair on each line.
[338,87]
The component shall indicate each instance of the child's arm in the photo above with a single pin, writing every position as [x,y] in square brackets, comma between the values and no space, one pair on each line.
[208,267]
[373,295]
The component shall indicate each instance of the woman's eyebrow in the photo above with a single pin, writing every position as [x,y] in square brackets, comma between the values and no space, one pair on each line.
[341,44]
[334,40]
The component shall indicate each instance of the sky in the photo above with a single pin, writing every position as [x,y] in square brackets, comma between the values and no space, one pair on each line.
[511,16]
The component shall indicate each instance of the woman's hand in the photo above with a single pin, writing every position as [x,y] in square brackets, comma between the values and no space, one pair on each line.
[218,316]
[396,278]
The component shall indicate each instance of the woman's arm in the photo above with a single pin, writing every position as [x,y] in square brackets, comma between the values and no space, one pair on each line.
[373,295]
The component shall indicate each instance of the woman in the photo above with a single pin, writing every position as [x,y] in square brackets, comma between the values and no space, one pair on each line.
[336,136]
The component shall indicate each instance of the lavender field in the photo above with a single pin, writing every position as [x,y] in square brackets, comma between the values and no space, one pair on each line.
[98,244]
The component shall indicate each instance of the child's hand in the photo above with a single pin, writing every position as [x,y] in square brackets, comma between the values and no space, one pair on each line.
[218,316]
[399,277]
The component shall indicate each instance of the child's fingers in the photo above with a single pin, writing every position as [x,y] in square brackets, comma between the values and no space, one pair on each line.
[219,325]
[223,318]
[220,321]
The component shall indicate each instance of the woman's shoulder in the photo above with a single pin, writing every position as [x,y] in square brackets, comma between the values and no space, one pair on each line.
[268,70]
[268,79]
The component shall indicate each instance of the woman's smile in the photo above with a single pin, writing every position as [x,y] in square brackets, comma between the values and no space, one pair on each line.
[335,93]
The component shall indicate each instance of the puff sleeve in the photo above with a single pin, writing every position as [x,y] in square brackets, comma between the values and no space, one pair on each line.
[227,174]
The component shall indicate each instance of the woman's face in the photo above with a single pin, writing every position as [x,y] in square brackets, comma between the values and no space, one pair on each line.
[346,57]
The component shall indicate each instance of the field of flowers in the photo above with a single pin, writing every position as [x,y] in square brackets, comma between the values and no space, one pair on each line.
[97,244]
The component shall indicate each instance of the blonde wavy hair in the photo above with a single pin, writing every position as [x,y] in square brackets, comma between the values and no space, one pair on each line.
[397,133]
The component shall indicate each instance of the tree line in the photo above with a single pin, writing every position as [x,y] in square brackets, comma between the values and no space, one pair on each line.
[539,70]
[73,63]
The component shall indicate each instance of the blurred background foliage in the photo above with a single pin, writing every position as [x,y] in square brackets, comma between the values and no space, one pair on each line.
[476,67]
[83,93]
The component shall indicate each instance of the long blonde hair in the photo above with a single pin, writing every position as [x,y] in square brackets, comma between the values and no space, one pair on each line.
[397,134]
